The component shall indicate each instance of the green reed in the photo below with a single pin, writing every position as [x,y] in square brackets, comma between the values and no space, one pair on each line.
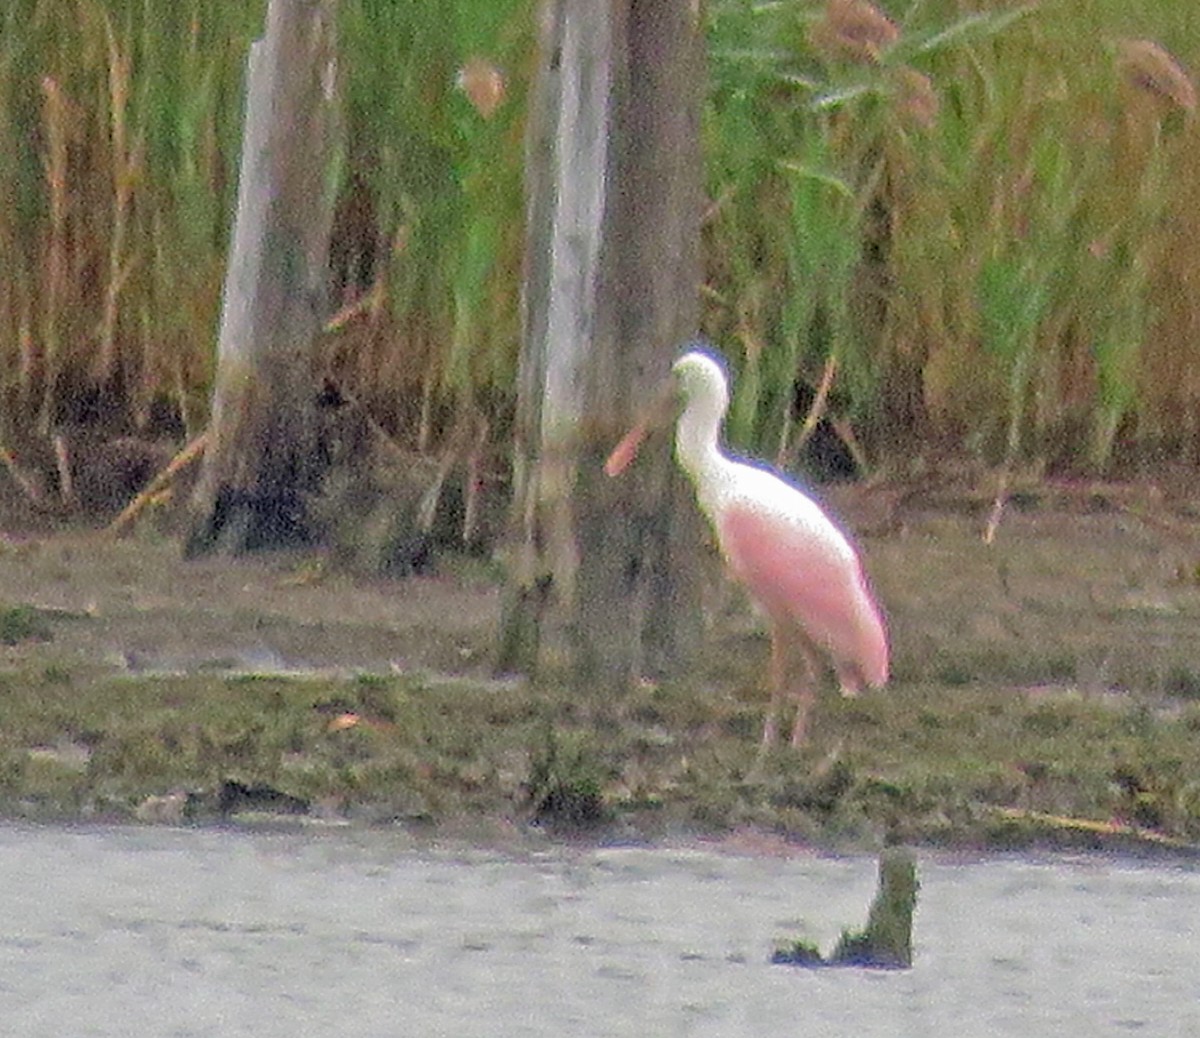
[981,229]
[1004,212]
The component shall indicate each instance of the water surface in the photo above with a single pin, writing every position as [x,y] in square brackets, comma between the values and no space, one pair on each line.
[157,932]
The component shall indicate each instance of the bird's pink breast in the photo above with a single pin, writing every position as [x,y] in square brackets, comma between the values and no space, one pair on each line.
[802,571]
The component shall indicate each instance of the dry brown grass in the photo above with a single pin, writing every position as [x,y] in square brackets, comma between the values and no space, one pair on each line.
[930,142]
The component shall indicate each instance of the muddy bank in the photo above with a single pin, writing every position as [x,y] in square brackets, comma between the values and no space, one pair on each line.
[1046,688]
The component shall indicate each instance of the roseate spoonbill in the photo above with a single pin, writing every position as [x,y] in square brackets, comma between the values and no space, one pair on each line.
[791,557]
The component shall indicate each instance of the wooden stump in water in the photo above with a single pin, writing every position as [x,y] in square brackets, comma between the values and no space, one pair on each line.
[887,939]
[886,942]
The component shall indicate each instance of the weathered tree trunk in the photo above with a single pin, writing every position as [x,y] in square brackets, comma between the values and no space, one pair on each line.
[262,445]
[602,572]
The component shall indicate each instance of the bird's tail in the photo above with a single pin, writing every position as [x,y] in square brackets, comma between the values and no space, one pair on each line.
[869,664]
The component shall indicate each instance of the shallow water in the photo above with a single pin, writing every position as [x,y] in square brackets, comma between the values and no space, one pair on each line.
[127,931]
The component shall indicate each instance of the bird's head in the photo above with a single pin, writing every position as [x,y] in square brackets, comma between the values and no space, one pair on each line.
[697,378]
[699,374]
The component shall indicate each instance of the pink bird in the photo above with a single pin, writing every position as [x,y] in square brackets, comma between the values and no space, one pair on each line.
[791,557]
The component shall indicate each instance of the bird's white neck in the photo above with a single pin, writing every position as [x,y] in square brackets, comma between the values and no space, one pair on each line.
[697,439]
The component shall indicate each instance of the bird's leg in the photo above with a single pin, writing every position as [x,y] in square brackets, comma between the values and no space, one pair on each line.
[778,676]
[805,690]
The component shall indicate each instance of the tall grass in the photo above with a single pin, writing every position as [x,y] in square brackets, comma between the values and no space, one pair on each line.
[993,193]
[121,122]
[438,179]
[120,126]
[969,225]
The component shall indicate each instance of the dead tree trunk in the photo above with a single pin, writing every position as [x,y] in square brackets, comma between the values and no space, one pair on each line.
[602,574]
[262,453]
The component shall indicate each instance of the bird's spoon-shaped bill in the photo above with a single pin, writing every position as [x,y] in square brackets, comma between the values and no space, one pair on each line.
[661,412]
[624,452]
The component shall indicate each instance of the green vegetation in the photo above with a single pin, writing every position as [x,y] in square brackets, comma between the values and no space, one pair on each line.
[974,229]
[970,223]
[886,941]
[1044,690]
[976,235]
[21,624]
[982,767]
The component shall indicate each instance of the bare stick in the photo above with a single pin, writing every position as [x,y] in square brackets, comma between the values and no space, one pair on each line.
[368,303]
[376,430]
[62,458]
[788,452]
[993,523]
[176,465]
[472,481]
[845,432]
[23,479]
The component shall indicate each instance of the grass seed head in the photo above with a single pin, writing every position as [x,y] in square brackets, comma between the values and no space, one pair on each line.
[483,84]
[916,100]
[853,30]
[1150,70]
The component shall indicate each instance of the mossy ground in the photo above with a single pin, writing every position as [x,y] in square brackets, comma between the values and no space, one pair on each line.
[1054,673]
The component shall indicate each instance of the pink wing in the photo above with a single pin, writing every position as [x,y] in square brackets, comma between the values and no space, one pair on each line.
[803,572]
